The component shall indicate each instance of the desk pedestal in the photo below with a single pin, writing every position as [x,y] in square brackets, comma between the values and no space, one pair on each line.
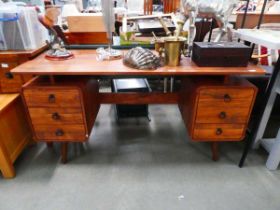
[213,109]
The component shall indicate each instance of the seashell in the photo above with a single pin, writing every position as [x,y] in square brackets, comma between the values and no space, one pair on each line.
[140,58]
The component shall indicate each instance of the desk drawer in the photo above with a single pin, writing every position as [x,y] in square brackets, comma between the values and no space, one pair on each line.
[9,82]
[56,116]
[219,132]
[226,97]
[60,133]
[8,77]
[10,87]
[220,114]
[48,97]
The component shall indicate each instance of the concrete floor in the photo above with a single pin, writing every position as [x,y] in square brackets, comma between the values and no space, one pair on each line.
[138,165]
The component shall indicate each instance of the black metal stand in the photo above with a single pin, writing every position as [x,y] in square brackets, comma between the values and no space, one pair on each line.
[211,30]
[251,136]
[256,124]
[260,21]
[245,14]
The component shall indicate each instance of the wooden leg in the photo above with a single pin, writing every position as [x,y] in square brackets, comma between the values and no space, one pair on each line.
[50,144]
[215,151]
[31,142]
[64,148]
[6,165]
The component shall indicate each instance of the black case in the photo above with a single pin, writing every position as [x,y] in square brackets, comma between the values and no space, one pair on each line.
[131,85]
[221,54]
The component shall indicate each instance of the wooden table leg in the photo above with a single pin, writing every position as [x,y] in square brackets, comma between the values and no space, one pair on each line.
[50,144]
[215,151]
[6,165]
[64,151]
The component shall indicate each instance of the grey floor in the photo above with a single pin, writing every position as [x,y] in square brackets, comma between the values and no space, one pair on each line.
[137,165]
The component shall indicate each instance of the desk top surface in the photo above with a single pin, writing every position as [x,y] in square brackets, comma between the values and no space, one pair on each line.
[85,63]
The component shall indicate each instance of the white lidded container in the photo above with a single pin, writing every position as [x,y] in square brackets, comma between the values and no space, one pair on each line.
[20,28]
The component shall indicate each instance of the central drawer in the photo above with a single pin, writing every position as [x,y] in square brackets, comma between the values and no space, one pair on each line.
[48,97]
[56,116]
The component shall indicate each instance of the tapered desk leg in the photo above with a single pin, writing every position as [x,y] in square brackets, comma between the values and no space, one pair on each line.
[64,152]
[50,144]
[215,151]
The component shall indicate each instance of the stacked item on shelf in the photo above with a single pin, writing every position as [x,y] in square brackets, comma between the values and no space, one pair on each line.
[20,28]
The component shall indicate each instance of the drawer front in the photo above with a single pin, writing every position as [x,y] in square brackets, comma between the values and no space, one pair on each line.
[45,97]
[60,133]
[56,116]
[235,97]
[218,132]
[10,87]
[10,83]
[219,114]
[7,77]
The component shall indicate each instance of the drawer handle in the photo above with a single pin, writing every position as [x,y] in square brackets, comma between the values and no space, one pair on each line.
[223,115]
[59,132]
[227,98]
[219,131]
[55,116]
[9,75]
[51,98]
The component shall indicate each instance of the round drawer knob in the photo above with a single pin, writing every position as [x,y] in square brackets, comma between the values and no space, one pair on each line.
[51,98]
[223,115]
[55,116]
[9,75]
[219,131]
[59,132]
[227,98]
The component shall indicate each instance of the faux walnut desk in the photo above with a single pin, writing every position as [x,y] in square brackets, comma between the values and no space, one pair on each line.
[62,107]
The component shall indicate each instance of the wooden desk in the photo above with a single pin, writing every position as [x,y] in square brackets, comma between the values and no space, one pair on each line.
[214,109]
[10,83]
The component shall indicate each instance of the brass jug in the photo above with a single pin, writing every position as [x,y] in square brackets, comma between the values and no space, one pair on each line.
[173,48]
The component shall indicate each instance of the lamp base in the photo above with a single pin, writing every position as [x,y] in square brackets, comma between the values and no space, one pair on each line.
[53,56]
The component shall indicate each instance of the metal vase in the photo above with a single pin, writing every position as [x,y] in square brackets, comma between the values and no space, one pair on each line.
[173,49]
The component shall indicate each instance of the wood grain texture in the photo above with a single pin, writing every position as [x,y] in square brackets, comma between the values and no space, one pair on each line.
[216,132]
[252,19]
[15,133]
[85,63]
[138,98]
[56,116]
[86,22]
[216,110]
[10,83]
[73,132]
[86,38]
[61,109]
[53,97]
